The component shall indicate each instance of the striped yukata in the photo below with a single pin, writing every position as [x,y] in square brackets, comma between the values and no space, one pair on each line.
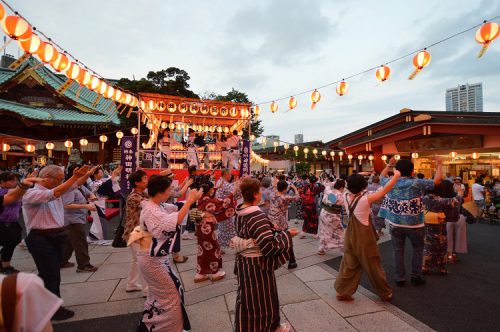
[257,303]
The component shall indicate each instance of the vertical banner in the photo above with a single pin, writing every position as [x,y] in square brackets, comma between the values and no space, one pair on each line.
[128,161]
[245,158]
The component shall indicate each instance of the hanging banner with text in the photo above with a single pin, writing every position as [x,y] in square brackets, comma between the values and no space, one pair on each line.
[128,162]
[245,159]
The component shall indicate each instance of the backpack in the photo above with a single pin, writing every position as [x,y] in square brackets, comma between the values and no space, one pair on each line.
[8,301]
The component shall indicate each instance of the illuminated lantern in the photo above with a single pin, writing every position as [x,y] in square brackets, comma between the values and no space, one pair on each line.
[5,149]
[475,155]
[128,99]
[342,88]
[323,153]
[292,103]
[252,138]
[256,110]
[68,145]
[414,155]
[274,107]
[275,144]
[2,13]
[83,142]
[164,125]
[206,128]
[341,154]
[134,131]
[119,135]
[151,105]
[204,109]
[103,139]
[487,33]
[306,151]
[47,53]
[219,129]
[370,158]
[95,84]
[149,125]
[224,111]
[194,108]
[233,111]
[226,130]
[30,148]
[134,102]
[286,146]
[61,63]
[84,77]
[360,158]
[315,98]
[31,45]
[110,93]
[161,106]
[332,154]
[420,61]
[49,146]
[384,158]
[349,157]
[264,141]
[244,113]
[182,108]
[73,71]
[453,155]
[103,88]
[397,157]
[119,96]
[315,152]
[16,28]
[383,73]
[214,110]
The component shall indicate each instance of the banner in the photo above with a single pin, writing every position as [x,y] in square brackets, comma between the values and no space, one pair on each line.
[128,162]
[245,159]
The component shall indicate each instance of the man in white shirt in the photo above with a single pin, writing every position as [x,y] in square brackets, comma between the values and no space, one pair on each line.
[478,193]
[233,143]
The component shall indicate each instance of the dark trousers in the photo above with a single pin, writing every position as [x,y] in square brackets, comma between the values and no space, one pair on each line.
[178,230]
[416,237]
[77,242]
[47,251]
[292,255]
[10,236]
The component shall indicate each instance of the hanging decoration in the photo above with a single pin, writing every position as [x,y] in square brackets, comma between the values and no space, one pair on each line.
[306,151]
[475,155]
[384,158]
[292,103]
[16,28]
[414,155]
[371,158]
[315,153]
[341,154]
[420,61]
[453,155]
[275,144]
[5,149]
[332,154]
[49,146]
[397,157]
[30,46]
[323,153]
[487,33]
[274,107]
[119,135]
[103,139]
[47,53]
[83,142]
[350,158]
[315,98]
[383,73]
[30,148]
[342,88]
[296,149]
[286,146]
[134,131]
[68,145]
[256,111]
[360,158]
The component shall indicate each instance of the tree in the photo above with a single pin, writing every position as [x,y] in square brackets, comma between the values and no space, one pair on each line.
[302,168]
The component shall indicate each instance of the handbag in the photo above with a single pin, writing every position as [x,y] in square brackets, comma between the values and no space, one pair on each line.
[118,241]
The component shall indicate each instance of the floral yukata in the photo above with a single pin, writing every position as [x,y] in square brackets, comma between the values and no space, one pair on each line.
[310,192]
[331,233]
[226,229]
[164,307]
[278,210]
[208,253]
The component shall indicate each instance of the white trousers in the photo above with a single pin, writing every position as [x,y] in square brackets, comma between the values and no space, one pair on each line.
[134,275]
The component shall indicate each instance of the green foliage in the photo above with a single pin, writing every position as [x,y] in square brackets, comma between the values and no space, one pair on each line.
[302,167]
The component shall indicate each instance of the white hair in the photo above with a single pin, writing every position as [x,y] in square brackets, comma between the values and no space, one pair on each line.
[50,171]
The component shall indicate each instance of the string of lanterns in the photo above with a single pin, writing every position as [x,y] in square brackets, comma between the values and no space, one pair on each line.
[18,28]
[488,31]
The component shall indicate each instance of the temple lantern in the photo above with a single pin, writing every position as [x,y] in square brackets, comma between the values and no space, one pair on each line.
[204,109]
[49,146]
[233,111]
[256,110]
[264,141]
[84,77]
[341,154]
[103,139]
[219,129]
[296,149]
[420,61]
[134,131]
[32,45]
[61,63]
[103,88]
[332,154]
[323,153]
[134,101]
[397,157]
[342,88]
[16,28]
[119,135]
[171,126]
[161,106]
[83,142]
[73,71]
[5,149]
[226,130]
[360,158]
[275,144]
[119,96]
[30,148]
[2,13]
[414,155]
[95,83]
[315,153]
[371,158]
[68,145]
[315,98]
[349,157]
[475,155]
[128,99]
[151,105]
[110,93]
[164,125]
[383,73]
[453,155]
[214,110]
[384,158]
[487,33]
[47,53]
[194,108]
[292,103]
[306,151]
[183,108]
[274,107]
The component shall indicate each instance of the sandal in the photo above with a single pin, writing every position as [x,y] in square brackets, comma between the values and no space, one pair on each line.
[388,298]
[344,297]
[321,252]
[200,278]
[180,259]
[218,276]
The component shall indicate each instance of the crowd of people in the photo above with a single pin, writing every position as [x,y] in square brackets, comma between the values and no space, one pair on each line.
[249,215]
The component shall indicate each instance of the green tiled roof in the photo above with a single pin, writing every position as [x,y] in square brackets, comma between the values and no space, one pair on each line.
[86,97]
[52,114]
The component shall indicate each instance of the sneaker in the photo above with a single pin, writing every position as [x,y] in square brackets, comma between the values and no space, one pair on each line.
[8,270]
[67,265]
[418,281]
[88,268]
[63,314]
[292,266]
[134,288]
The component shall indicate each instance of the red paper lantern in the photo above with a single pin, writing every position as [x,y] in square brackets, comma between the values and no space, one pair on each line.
[73,71]
[47,53]
[110,93]
[61,63]
[383,73]
[487,33]
[84,77]
[2,12]
[95,83]
[342,88]
[420,61]
[17,28]
[315,98]
[31,45]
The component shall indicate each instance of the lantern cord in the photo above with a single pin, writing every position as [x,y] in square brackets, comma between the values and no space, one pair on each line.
[378,66]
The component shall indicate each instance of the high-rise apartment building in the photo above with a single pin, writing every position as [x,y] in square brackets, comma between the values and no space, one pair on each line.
[465,98]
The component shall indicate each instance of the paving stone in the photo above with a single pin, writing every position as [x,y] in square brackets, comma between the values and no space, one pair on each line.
[292,290]
[313,273]
[211,315]
[189,247]
[379,321]
[120,294]
[70,276]
[216,289]
[106,249]
[119,257]
[305,249]
[111,271]
[106,309]
[300,317]
[87,292]
[20,253]
[360,305]
[190,264]
[231,301]
[24,264]
[310,261]
[187,278]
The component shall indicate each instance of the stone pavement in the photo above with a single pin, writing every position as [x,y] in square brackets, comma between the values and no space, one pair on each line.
[307,296]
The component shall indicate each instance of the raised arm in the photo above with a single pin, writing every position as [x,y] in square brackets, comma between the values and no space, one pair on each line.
[378,195]
[439,172]
[77,174]
[388,167]
[193,197]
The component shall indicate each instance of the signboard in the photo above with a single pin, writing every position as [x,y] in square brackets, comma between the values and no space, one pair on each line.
[440,143]
[245,159]
[128,162]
